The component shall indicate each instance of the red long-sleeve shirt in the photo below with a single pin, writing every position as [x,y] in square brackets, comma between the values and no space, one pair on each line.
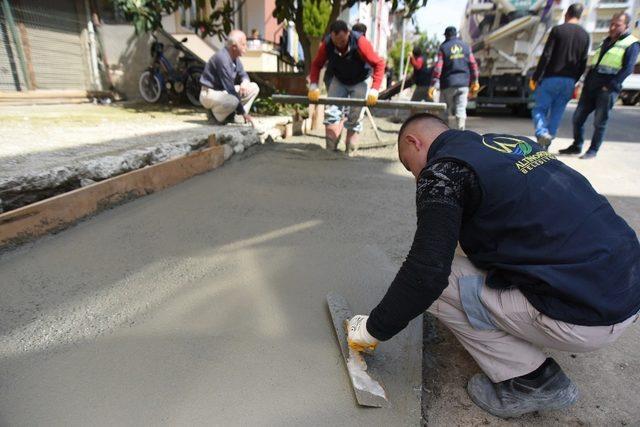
[366,52]
[417,63]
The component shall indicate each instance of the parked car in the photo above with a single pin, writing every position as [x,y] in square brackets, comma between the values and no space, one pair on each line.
[630,93]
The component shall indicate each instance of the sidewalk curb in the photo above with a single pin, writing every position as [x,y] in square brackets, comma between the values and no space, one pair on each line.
[59,212]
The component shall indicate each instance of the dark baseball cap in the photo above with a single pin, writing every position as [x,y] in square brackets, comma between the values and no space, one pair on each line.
[450,31]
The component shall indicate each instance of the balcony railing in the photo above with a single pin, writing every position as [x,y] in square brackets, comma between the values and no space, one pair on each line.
[614,4]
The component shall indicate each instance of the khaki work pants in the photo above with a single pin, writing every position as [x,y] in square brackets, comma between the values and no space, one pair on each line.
[222,104]
[456,99]
[512,345]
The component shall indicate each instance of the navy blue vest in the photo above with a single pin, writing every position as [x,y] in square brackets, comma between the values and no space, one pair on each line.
[349,68]
[540,226]
[455,69]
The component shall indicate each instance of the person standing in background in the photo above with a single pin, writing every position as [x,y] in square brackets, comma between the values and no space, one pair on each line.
[612,62]
[456,72]
[561,65]
[421,76]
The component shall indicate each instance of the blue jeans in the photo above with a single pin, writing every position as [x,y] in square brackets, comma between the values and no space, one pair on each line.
[552,96]
[602,102]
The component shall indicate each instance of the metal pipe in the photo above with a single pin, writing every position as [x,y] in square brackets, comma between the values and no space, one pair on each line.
[6,8]
[404,39]
[93,51]
[405,105]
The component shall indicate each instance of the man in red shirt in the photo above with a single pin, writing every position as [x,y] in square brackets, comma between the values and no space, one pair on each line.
[421,76]
[352,60]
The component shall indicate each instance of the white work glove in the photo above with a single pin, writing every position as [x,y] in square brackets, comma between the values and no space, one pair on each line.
[314,92]
[359,338]
[372,97]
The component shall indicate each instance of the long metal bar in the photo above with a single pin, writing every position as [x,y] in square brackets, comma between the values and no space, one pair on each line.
[405,105]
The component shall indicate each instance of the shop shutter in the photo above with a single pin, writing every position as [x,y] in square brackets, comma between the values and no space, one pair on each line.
[53,30]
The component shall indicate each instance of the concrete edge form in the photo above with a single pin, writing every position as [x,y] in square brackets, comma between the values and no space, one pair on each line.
[29,222]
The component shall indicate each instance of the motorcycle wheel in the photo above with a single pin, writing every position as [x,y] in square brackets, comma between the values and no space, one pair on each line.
[150,87]
[192,88]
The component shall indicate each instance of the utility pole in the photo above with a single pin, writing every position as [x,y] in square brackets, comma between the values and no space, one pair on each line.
[404,38]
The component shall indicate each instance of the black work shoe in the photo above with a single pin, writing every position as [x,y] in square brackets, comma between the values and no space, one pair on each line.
[211,118]
[572,149]
[213,121]
[589,155]
[551,390]
[544,141]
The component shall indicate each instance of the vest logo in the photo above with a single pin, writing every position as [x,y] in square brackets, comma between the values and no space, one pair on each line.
[456,52]
[508,145]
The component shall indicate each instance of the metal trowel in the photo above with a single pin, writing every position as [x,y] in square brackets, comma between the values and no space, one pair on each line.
[368,390]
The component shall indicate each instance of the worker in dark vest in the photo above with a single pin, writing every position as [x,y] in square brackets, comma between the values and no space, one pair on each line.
[455,72]
[611,63]
[353,61]
[421,76]
[548,263]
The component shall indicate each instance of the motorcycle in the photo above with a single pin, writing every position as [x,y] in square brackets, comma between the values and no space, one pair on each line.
[163,79]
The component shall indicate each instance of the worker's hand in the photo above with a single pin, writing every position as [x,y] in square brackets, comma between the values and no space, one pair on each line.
[359,338]
[532,85]
[431,92]
[372,97]
[475,88]
[248,119]
[314,93]
[577,90]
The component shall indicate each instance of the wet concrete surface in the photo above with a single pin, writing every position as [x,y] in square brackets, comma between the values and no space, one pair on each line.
[177,308]
[205,304]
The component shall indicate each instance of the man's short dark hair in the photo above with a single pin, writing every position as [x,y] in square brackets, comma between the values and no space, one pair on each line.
[627,17]
[360,27]
[417,51]
[418,117]
[575,10]
[338,26]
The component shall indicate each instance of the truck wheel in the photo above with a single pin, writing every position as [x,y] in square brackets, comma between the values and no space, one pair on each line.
[629,98]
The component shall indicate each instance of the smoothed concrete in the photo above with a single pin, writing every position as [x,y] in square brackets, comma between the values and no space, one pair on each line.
[205,304]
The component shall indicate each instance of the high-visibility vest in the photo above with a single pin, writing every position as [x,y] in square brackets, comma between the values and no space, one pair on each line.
[611,61]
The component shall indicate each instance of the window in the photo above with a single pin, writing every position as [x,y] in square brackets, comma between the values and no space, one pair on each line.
[188,16]
[110,13]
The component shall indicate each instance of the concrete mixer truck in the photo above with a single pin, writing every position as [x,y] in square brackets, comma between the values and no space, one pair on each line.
[507,38]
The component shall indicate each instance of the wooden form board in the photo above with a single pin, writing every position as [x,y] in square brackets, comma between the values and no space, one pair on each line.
[61,211]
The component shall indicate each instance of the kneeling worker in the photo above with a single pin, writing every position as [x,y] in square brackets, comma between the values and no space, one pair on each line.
[566,278]
[220,94]
[351,58]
